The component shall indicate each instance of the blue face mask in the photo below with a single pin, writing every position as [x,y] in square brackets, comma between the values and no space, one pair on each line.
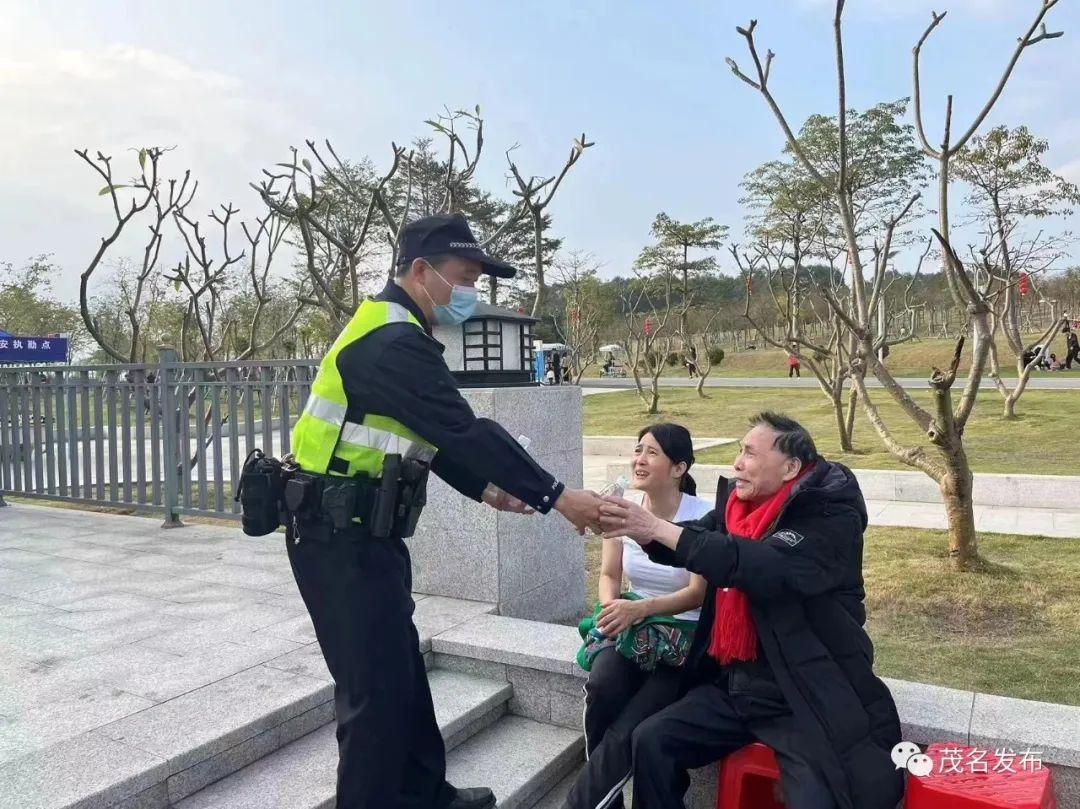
[460,308]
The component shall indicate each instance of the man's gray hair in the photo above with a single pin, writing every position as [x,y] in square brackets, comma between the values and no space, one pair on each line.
[793,439]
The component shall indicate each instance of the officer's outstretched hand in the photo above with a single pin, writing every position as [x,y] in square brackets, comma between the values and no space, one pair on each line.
[498,499]
[581,507]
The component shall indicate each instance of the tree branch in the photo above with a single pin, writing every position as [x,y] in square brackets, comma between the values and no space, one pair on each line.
[935,21]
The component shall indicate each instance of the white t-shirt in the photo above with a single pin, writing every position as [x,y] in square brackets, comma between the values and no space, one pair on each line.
[647,578]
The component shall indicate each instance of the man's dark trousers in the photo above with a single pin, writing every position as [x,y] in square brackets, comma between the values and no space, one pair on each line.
[703,727]
[358,592]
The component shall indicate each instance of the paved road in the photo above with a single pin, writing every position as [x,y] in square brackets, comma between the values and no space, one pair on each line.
[1064,380]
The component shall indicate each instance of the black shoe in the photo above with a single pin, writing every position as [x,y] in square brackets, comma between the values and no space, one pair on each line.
[473,798]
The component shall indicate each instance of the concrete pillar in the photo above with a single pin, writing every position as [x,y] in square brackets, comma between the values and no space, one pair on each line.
[530,566]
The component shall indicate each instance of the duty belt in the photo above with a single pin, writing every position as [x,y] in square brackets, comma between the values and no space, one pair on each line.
[385,507]
[339,499]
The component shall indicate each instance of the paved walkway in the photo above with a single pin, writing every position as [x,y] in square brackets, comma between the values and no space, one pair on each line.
[1064,380]
[104,616]
[1060,523]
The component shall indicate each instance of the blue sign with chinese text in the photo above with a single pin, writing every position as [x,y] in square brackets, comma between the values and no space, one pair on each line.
[26,350]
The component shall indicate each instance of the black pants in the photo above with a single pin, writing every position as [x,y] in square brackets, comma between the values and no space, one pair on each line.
[618,696]
[701,728]
[358,592]
[1074,354]
[793,369]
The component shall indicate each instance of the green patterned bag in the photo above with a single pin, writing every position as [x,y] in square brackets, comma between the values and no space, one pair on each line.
[659,639]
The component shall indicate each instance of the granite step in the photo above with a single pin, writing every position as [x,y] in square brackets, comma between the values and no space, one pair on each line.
[300,775]
[520,759]
[208,717]
[555,797]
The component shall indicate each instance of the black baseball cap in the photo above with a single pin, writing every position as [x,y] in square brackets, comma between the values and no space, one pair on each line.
[447,234]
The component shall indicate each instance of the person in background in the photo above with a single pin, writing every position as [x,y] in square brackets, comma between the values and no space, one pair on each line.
[1042,357]
[690,361]
[1054,364]
[619,693]
[793,361]
[1072,348]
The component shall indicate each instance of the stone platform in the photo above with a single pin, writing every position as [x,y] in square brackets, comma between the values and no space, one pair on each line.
[128,650]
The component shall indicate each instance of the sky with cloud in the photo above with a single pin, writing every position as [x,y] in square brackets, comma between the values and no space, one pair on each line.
[233,85]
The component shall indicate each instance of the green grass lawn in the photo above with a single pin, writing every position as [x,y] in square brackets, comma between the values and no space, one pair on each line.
[906,359]
[913,359]
[1041,441]
[1012,630]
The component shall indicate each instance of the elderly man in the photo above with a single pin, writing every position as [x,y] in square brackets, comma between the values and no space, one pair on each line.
[780,654]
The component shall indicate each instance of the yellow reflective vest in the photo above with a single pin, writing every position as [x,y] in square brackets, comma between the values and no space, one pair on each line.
[323,441]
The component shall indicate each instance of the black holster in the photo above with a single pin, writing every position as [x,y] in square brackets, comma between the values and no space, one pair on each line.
[413,496]
[400,498]
[262,484]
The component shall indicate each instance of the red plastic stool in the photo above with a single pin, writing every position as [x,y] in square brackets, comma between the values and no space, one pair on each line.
[949,787]
[747,779]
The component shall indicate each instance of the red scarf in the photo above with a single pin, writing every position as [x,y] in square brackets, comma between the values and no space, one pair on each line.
[733,633]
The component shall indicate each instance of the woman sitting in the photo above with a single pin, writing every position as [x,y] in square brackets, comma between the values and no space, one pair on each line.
[634,674]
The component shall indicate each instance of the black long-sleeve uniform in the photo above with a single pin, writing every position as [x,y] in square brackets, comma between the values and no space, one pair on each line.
[358,588]
[399,371]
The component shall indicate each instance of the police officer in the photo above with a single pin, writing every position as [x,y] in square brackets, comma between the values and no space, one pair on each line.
[383,409]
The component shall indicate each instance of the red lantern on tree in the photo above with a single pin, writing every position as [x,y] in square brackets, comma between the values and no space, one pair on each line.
[573,316]
[1025,285]
[647,328]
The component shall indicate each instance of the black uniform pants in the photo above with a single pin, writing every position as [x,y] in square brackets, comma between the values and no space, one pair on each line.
[618,697]
[358,592]
[1073,354]
[702,727]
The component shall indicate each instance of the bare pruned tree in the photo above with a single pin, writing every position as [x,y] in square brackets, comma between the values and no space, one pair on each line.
[1010,187]
[781,273]
[536,194]
[582,313]
[650,325]
[350,216]
[903,316]
[211,325]
[337,210]
[943,424]
[207,282]
[141,193]
[700,342]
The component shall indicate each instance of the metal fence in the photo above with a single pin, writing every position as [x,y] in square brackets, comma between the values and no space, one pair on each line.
[168,438]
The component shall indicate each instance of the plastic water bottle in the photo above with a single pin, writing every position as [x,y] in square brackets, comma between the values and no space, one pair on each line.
[616,489]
